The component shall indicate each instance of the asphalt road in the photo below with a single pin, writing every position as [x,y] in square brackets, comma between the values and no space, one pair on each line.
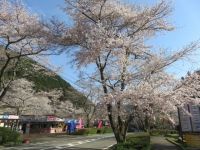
[160,143]
[62,142]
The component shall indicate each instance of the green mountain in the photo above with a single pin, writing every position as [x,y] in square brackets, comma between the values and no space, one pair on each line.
[46,80]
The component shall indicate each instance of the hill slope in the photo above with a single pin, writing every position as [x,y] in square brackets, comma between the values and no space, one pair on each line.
[46,80]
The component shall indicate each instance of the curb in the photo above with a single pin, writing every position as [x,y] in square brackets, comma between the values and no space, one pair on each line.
[182,148]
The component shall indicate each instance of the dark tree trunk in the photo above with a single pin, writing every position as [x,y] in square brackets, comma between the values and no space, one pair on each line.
[147,123]
[88,121]
[119,127]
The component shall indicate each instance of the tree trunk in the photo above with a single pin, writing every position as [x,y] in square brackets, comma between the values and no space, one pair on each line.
[120,135]
[88,121]
[119,127]
[147,124]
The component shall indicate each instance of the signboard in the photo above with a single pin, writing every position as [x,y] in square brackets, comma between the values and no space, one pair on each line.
[9,117]
[33,118]
[195,117]
[185,119]
[59,120]
[13,117]
[5,116]
[53,118]
[190,118]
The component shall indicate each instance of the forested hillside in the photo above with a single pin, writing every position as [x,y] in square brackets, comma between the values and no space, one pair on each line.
[46,80]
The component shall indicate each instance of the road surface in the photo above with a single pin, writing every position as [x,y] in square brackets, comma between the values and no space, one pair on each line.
[66,142]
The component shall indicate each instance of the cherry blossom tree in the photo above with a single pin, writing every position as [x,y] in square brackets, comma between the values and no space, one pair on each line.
[151,99]
[58,106]
[93,96]
[111,37]
[53,97]
[21,34]
[22,99]
[64,108]
[187,91]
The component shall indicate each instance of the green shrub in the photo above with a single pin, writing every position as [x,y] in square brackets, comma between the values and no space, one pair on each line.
[123,146]
[92,130]
[107,130]
[139,140]
[100,131]
[104,130]
[135,141]
[84,131]
[9,136]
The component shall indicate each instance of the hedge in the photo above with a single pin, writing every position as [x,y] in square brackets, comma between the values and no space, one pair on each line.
[134,141]
[7,136]
[107,130]
[86,131]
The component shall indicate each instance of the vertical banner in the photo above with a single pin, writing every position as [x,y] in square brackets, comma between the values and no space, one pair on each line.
[185,119]
[195,117]
[190,118]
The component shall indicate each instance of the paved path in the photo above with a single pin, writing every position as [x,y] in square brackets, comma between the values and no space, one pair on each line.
[94,142]
[160,143]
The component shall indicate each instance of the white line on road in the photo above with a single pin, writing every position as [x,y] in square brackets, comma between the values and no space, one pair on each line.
[58,147]
[86,141]
[70,144]
[93,139]
[83,142]
[32,145]
[108,147]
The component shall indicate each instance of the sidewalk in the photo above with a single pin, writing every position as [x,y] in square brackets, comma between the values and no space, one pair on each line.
[160,143]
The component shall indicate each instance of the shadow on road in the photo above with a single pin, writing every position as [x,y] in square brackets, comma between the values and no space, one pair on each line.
[78,148]
[160,143]
[164,147]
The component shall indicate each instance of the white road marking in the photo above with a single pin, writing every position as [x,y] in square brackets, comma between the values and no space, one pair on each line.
[92,140]
[58,147]
[70,144]
[32,145]
[108,147]
[86,141]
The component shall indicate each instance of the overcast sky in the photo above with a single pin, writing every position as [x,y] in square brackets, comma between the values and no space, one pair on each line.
[185,17]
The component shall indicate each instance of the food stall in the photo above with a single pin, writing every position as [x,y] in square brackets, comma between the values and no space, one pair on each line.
[10,121]
[41,124]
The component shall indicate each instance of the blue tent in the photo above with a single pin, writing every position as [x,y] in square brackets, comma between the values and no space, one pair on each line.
[71,126]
